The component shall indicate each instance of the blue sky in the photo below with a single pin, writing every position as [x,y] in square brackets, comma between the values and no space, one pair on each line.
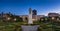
[21,7]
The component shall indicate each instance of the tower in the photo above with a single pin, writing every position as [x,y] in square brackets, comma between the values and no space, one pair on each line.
[34,12]
[34,15]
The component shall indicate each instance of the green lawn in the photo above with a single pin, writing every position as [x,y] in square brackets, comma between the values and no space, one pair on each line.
[9,26]
[15,26]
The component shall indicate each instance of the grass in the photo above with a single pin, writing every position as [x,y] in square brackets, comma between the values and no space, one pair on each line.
[9,26]
[15,26]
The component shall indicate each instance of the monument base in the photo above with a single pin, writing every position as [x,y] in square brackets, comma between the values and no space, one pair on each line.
[29,27]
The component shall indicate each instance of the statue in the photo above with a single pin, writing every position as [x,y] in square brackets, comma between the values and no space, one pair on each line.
[30,27]
[30,16]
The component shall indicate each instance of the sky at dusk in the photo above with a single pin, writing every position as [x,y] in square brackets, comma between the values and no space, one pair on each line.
[21,7]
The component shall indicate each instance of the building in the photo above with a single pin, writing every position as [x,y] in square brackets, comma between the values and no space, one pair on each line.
[9,17]
[34,12]
[35,17]
[25,17]
[54,16]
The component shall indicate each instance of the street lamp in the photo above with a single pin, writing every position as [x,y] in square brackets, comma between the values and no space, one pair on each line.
[53,18]
[15,19]
[42,19]
[8,18]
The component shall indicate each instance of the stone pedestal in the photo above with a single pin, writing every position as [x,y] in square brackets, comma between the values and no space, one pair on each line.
[29,27]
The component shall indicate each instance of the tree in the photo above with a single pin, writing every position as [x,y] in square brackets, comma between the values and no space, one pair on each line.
[26,18]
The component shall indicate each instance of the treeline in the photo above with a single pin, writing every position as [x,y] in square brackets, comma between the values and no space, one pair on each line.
[8,17]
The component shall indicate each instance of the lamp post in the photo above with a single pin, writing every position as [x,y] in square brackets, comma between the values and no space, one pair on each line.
[53,18]
[15,19]
[8,18]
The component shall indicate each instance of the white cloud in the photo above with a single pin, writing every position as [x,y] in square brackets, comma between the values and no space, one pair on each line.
[55,10]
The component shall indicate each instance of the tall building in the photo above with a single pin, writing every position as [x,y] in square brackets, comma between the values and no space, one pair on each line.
[34,15]
[34,12]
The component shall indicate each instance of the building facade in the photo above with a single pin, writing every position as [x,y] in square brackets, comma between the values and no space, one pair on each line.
[35,17]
